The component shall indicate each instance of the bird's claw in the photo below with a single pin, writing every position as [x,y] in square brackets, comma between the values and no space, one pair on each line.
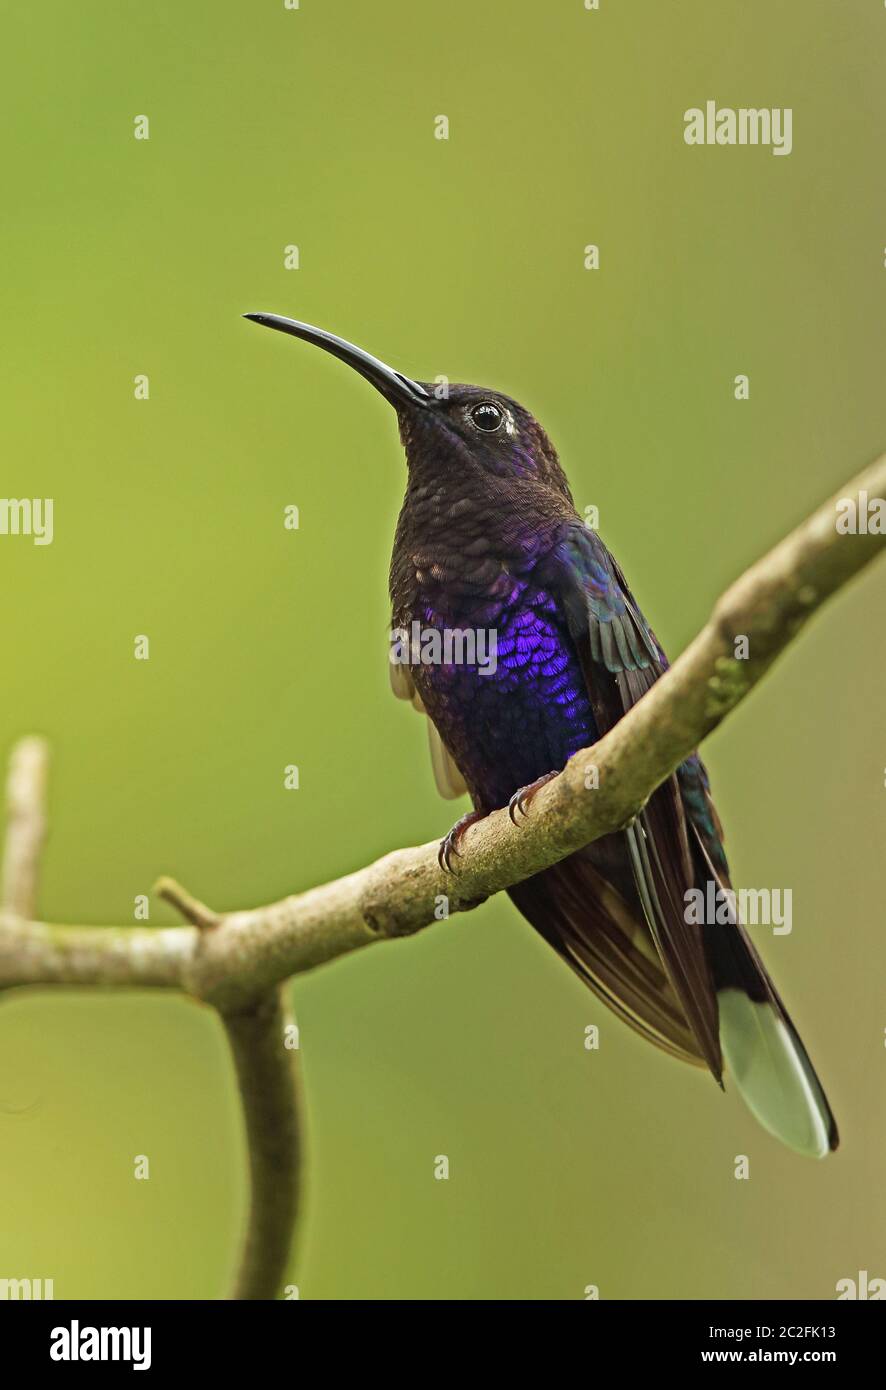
[519,802]
[449,844]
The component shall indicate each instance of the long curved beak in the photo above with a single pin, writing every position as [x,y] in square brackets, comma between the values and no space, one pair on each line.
[394,386]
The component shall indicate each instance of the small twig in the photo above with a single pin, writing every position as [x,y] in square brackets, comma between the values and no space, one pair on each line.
[184,902]
[265,1057]
[25,826]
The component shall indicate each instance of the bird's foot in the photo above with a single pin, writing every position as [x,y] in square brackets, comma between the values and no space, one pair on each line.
[449,845]
[519,802]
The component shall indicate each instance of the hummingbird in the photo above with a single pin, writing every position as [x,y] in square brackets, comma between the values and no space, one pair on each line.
[489,540]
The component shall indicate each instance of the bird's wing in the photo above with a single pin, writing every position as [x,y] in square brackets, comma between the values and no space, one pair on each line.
[450,783]
[675,845]
[577,909]
[621,659]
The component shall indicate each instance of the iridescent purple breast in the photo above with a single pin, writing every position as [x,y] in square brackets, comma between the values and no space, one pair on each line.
[518,711]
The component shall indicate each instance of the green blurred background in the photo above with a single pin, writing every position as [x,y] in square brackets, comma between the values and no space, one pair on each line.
[315,127]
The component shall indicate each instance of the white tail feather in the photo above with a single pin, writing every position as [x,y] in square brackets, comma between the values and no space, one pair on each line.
[772,1073]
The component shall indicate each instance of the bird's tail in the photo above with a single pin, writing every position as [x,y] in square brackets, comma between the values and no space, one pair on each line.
[762,1049]
[700,993]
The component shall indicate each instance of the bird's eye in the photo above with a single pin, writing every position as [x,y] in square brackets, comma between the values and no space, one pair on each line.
[487,417]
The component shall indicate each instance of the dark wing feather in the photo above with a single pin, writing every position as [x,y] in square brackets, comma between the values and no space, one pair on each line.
[621,660]
[587,921]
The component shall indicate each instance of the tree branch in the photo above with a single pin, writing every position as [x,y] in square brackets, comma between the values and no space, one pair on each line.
[265,1061]
[236,961]
[232,959]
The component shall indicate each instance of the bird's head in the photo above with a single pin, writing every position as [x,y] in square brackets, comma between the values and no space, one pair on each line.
[446,428]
